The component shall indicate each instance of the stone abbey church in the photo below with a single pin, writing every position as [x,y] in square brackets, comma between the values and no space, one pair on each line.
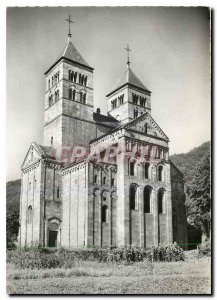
[132,196]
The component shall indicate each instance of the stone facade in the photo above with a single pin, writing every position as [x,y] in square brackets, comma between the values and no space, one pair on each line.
[123,190]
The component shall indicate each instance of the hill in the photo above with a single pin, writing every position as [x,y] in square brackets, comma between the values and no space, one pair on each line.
[187,162]
[13,194]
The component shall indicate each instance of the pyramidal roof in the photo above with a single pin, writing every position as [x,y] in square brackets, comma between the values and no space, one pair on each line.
[128,78]
[70,53]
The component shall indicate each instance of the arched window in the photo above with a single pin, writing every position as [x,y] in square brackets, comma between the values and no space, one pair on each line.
[58,192]
[160,200]
[69,74]
[57,95]
[104,180]
[85,80]
[29,215]
[75,76]
[81,96]
[132,168]
[104,214]
[72,76]
[147,199]
[84,98]
[135,113]
[73,94]
[50,100]
[51,141]
[70,93]
[49,84]
[160,173]
[132,197]
[95,179]
[147,165]
[146,128]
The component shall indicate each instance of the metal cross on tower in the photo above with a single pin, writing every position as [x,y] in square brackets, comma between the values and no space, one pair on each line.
[70,21]
[128,55]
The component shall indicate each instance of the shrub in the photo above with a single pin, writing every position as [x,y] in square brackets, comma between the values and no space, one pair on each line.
[45,258]
[127,254]
[172,252]
[205,247]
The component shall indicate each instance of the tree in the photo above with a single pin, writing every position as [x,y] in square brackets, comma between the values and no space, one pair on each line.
[199,199]
[12,227]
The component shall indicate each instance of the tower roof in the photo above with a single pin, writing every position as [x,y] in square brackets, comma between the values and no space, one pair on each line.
[70,53]
[128,78]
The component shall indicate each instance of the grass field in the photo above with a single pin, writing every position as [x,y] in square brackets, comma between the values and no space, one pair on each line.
[188,277]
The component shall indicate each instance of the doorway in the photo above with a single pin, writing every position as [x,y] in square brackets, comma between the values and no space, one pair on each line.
[52,239]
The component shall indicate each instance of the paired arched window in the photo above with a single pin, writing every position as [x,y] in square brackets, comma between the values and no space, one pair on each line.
[147,199]
[146,170]
[72,93]
[29,215]
[83,97]
[135,115]
[104,214]
[160,201]
[160,173]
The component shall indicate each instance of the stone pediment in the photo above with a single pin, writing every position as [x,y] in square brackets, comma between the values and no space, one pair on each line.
[33,155]
[146,125]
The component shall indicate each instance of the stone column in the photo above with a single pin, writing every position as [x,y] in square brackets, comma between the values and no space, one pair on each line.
[110,221]
[46,233]
[123,215]
[141,216]
[100,220]
[155,215]
[168,203]
[96,223]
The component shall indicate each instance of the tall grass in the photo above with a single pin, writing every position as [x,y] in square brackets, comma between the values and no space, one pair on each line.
[63,258]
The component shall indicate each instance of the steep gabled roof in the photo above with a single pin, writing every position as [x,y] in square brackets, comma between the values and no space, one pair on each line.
[47,151]
[128,126]
[145,116]
[128,78]
[43,151]
[105,120]
[70,53]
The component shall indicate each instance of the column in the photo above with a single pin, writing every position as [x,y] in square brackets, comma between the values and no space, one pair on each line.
[123,214]
[46,233]
[110,220]
[155,215]
[96,221]
[141,216]
[168,202]
[100,220]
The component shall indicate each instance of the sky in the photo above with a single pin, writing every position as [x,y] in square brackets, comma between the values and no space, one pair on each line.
[170,55]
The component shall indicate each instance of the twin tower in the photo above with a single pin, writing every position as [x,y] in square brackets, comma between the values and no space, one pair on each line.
[103,203]
[69,107]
